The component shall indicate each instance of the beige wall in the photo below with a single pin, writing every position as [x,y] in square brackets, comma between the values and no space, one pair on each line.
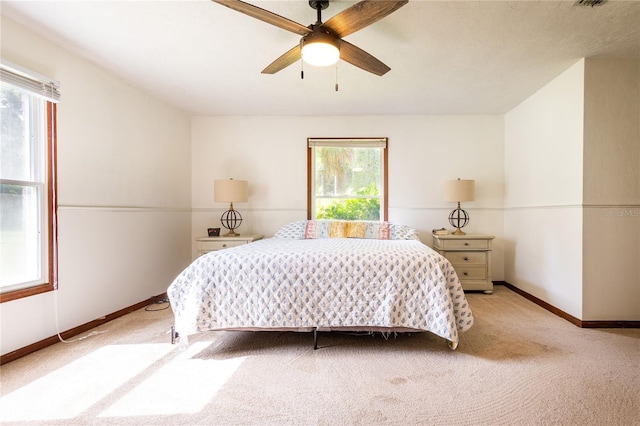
[424,151]
[124,194]
[572,200]
[612,189]
[543,192]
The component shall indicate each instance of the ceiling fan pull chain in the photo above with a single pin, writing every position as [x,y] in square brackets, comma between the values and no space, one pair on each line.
[336,77]
[302,70]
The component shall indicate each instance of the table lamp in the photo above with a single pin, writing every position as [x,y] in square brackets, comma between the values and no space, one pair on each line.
[230,190]
[457,191]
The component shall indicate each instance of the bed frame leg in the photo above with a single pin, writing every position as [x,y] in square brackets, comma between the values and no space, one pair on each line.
[315,339]
[174,335]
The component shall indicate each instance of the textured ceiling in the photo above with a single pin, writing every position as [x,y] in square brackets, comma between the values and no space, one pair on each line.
[446,57]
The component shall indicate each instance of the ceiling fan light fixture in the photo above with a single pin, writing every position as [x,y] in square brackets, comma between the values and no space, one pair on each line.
[320,49]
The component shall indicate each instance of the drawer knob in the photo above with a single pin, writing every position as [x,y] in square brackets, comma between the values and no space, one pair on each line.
[465,258]
[465,273]
[224,245]
[466,244]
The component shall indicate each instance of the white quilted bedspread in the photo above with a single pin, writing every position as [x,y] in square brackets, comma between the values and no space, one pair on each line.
[326,283]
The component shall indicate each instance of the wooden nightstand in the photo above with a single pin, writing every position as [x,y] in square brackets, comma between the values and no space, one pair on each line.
[207,244]
[470,256]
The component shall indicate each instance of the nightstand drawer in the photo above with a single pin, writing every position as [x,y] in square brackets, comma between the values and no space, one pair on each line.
[471,272]
[467,257]
[464,244]
[219,245]
[470,256]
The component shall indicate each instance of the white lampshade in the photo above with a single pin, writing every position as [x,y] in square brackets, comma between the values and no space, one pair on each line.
[459,190]
[320,49]
[231,190]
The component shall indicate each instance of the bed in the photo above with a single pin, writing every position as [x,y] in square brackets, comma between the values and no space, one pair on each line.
[323,275]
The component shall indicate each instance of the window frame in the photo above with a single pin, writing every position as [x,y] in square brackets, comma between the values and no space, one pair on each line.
[50,209]
[350,141]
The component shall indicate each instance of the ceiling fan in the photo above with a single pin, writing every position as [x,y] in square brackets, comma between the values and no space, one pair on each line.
[322,43]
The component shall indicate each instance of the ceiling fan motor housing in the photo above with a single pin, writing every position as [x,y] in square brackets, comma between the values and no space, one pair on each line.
[323,4]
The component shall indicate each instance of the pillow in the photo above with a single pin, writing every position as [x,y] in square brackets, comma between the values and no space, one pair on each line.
[292,231]
[403,232]
[355,229]
[324,229]
[327,228]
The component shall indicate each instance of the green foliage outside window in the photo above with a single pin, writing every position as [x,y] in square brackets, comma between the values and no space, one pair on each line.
[354,208]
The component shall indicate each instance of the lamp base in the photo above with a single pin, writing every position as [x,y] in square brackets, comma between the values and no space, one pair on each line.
[231,220]
[458,218]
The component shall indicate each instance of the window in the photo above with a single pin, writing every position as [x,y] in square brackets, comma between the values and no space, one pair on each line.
[28,262]
[347,178]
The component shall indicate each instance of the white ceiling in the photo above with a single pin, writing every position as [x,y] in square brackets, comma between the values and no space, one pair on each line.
[446,57]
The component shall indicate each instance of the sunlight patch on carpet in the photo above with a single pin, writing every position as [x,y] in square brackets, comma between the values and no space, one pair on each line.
[185,385]
[85,382]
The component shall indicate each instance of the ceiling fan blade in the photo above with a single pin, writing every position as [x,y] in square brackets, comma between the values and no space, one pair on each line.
[265,16]
[361,59]
[284,61]
[360,15]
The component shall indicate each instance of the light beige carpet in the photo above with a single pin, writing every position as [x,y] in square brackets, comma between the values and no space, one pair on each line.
[519,364]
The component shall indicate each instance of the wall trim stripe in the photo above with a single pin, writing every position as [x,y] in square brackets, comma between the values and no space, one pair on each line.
[544,207]
[258,209]
[241,209]
[218,209]
[612,206]
[63,207]
[447,208]
[575,206]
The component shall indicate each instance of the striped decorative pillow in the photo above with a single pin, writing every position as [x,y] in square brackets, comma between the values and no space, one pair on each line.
[326,228]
